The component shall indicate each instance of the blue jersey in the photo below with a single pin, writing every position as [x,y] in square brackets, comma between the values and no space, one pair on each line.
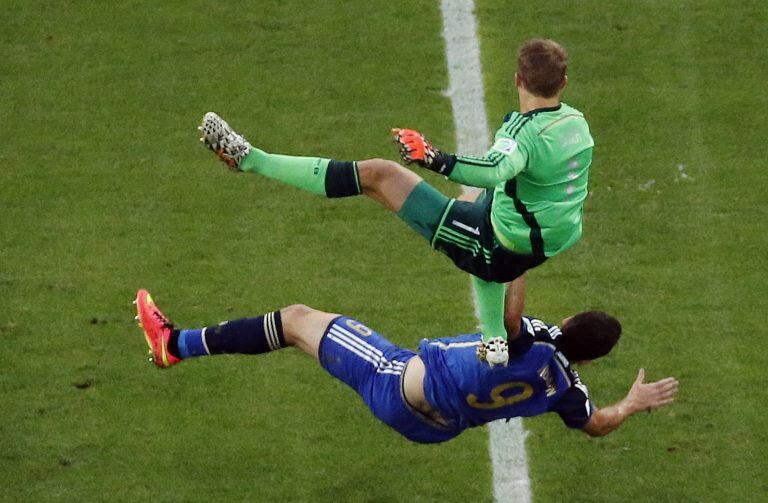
[468,392]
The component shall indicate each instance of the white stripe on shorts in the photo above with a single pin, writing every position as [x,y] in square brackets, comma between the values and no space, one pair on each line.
[367,351]
[363,344]
[369,359]
[372,351]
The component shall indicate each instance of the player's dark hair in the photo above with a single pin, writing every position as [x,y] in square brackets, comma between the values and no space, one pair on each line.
[541,66]
[588,335]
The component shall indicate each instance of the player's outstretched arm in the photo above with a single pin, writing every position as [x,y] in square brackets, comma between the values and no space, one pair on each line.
[641,397]
[501,163]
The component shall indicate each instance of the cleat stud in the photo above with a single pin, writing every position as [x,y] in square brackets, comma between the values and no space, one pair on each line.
[136,318]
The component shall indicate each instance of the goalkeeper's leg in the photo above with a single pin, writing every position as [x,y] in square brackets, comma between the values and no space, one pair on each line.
[384,181]
[323,177]
[458,228]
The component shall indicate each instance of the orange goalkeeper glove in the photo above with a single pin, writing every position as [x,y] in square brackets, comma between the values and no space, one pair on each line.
[414,147]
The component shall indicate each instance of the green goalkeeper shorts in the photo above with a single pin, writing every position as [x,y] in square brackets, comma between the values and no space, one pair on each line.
[463,231]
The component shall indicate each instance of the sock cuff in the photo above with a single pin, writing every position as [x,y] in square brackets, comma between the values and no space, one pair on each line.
[190,343]
[342,179]
[273,330]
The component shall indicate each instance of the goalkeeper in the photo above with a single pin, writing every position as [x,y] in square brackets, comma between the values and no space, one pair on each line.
[535,176]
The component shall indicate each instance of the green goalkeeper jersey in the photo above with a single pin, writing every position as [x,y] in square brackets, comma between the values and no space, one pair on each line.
[538,168]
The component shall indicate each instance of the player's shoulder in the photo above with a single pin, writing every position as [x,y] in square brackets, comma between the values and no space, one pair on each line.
[526,127]
[564,124]
[544,333]
[513,125]
[509,117]
[566,109]
[541,331]
[543,118]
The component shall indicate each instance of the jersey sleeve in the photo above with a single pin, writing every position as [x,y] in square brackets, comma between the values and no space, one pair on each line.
[524,340]
[506,158]
[575,408]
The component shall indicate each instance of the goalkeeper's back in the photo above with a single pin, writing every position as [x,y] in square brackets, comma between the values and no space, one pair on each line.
[539,210]
[537,168]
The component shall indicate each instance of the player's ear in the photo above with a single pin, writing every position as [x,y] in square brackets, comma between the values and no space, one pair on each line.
[565,82]
[518,80]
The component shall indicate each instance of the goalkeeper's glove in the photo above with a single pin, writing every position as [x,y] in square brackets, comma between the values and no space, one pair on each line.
[494,351]
[414,147]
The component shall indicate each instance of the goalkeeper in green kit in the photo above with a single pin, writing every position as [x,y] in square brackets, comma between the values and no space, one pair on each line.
[534,176]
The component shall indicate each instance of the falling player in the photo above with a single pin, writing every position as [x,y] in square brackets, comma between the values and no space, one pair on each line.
[433,395]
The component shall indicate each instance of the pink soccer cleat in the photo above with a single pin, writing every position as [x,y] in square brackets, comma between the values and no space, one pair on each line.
[157,330]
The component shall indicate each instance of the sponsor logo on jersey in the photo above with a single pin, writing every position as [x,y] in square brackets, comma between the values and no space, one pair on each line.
[505,145]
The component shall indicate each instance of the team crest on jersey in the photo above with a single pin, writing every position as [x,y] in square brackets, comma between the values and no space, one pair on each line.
[359,328]
[505,145]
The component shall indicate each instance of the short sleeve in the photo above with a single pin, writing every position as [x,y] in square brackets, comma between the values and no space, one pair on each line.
[575,408]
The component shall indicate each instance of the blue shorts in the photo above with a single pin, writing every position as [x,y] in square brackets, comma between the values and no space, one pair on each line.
[374,367]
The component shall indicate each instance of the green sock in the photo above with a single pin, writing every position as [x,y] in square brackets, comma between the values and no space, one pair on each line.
[322,177]
[490,306]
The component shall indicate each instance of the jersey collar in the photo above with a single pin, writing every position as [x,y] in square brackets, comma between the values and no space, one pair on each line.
[544,109]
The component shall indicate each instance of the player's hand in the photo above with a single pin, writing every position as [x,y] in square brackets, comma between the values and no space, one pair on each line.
[652,395]
[414,147]
[495,352]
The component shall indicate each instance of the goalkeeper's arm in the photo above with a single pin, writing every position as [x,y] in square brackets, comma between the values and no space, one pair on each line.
[501,163]
[518,342]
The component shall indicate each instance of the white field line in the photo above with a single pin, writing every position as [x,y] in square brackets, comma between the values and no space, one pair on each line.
[507,440]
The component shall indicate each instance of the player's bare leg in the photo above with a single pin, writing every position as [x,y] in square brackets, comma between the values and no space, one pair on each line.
[303,327]
[387,182]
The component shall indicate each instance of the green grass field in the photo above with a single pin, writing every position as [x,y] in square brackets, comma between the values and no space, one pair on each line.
[105,189]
